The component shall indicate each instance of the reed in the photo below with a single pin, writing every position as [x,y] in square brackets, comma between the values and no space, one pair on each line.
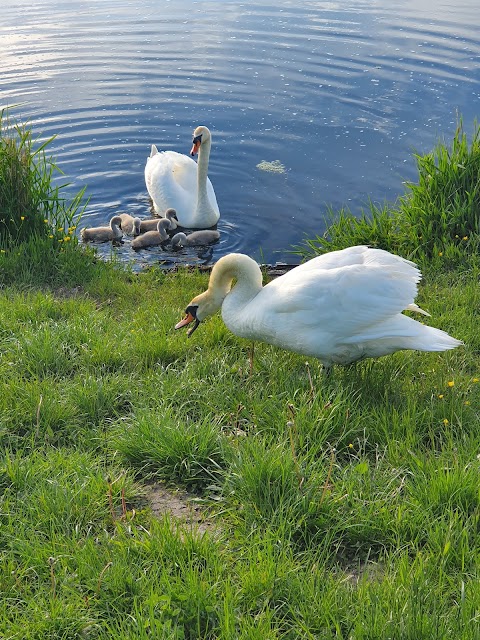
[32,203]
[441,210]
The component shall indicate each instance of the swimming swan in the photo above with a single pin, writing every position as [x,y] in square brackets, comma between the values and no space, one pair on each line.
[152,238]
[197,237]
[130,225]
[103,234]
[151,223]
[175,180]
[339,307]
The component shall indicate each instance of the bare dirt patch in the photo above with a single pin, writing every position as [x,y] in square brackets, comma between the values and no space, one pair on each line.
[179,505]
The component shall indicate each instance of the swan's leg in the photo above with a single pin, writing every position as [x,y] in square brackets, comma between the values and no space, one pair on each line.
[250,358]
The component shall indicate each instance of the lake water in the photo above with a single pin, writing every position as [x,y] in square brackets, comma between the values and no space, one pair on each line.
[338,93]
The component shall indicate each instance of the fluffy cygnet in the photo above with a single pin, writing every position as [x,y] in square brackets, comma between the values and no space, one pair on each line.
[205,236]
[151,225]
[130,225]
[152,238]
[103,234]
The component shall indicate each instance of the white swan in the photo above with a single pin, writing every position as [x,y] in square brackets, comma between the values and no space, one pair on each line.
[197,237]
[103,234]
[151,223]
[130,225]
[339,307]
[175,180]
[152,238]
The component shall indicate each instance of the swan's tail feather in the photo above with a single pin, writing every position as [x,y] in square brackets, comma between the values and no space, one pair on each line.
[416,308]
[434,340]
[153,151]
[403,332]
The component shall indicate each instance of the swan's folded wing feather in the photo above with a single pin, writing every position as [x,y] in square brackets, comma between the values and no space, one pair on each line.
[346,299]
[356,255]
[171,178]
[172,166]
[184,171]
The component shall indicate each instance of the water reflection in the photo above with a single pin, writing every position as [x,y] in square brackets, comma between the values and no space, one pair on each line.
[340,94]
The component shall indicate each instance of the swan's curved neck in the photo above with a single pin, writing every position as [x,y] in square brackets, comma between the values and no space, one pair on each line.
[203,203]
[246,272]
[115,227]
[162,227]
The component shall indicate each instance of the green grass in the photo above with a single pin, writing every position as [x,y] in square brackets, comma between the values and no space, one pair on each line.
[31,204]
[352,511]
[342,507]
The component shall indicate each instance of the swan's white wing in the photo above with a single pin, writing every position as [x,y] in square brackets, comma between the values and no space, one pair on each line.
[171,180]
[356,255]
[367,288]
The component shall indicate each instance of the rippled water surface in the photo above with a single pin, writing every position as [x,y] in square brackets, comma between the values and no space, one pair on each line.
[340,94]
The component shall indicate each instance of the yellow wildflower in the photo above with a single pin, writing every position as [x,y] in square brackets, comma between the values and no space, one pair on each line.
[451,383]
[45,220]
[476,380]
[465,238]
[445,421]
[467,402]
[50,236]
[67,239]
[350,446]
[440,253]
[440,396]
[22,218]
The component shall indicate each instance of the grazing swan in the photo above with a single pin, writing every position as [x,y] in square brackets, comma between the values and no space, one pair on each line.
[151,224]
[339,307]
[103,234]
[197,237]
[152,238]
[130,225]
[175,180]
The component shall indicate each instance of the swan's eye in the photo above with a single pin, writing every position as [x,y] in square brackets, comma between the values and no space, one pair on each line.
[197,139]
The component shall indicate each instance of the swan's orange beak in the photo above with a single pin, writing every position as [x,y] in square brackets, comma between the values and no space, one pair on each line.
[195,147]
[187,320]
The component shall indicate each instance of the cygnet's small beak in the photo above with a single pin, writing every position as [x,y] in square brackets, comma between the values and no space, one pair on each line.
[187,320]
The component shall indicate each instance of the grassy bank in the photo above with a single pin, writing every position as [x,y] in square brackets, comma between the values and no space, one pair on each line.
[334,508]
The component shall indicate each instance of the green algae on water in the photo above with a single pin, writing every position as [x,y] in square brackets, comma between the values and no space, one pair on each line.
[273,167]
